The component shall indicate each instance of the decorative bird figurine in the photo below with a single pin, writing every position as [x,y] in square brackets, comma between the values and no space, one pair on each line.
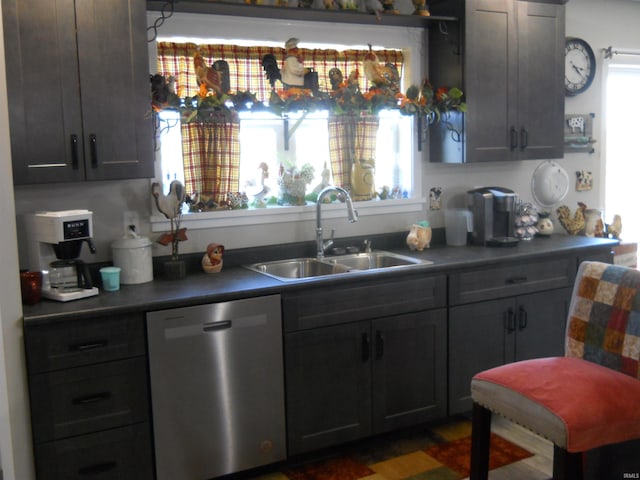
[215,78]
[575,224]
[384,77]
[169,205]
[271,69]
[162,92]
[615,228]
[335,78]
[353,80]
[374,6]
[259,192]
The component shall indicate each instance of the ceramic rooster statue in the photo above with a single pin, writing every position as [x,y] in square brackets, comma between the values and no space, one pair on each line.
[574,225]
[215,77]
[384,77]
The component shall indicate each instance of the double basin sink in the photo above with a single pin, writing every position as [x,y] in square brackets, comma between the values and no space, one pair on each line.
[300,268]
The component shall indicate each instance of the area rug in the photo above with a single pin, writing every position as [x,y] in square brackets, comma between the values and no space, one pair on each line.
[436,453]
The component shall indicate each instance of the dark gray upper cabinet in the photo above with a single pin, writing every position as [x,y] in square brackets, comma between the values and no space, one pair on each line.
[508,57]
[78,89]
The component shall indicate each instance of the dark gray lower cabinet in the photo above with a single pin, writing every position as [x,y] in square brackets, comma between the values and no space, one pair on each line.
[348,381]
[89,393]
[119,454]
[484,335]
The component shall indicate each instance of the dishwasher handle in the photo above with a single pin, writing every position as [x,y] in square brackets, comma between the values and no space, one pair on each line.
[215,326]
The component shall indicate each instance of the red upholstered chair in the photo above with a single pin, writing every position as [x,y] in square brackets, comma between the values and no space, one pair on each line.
[584,400]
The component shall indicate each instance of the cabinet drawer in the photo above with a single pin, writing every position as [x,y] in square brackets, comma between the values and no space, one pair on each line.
[118,454]
[82,342]
[486,283]
[86,399]
[345,303]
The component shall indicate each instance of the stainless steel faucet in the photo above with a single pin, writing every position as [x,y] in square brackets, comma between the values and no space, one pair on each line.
[343,196]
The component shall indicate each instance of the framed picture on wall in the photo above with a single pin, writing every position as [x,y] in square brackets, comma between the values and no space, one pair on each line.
[578,133]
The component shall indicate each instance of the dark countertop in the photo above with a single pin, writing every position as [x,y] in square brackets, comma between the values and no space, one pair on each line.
[237,282]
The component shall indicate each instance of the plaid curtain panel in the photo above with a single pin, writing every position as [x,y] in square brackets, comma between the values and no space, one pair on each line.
[351,137]
[211,157]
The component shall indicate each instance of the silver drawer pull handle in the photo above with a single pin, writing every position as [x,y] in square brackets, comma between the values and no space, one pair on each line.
[215,326]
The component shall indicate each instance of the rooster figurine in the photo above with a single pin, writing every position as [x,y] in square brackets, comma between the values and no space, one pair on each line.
[384,77]
[573,225]
[615,228]
[169,205]
[215,78]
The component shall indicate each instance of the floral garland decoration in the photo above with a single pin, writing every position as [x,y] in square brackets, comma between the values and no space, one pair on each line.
[208,105]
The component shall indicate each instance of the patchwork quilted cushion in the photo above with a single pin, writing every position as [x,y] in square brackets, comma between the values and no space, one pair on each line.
[604,318]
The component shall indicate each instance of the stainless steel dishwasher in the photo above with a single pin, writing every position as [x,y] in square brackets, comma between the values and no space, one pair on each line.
[217,386]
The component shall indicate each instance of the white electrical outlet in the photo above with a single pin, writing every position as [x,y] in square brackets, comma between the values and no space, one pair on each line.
[131,218]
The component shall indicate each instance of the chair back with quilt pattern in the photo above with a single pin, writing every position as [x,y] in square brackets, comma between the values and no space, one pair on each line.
[604,317]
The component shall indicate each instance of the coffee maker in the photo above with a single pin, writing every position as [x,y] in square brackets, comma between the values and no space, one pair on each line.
[55,241]
[493,210]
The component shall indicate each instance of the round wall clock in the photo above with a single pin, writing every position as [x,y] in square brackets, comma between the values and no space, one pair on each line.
[579,66]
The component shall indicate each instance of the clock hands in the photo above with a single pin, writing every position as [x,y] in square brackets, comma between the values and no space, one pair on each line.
[577,69]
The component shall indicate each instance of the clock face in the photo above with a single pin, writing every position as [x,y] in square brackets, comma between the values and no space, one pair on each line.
[579,66]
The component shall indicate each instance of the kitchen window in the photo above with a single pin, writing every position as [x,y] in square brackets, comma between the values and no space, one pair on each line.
[622,171]
[273,148]
[396,146]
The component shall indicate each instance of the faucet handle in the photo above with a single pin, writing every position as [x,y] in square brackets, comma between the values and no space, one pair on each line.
[366,245]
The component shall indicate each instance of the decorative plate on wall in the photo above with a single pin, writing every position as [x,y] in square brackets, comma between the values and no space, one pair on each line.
[549,184]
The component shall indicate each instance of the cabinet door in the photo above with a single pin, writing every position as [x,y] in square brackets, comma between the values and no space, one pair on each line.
[328,386]
[491,80]
[479,338]
[78,90]
[43,90]
[409,369]
[540,80]
[114,78]
[541,322]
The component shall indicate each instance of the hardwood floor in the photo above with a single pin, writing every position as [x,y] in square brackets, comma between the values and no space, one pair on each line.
[538,467]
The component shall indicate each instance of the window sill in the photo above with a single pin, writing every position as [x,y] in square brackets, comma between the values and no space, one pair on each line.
[261,216]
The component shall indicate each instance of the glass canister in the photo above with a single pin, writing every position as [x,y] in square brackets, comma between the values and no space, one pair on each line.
[526,218]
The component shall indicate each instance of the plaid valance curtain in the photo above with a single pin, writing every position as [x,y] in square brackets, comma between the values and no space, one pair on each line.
[245,65]
[211,152]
